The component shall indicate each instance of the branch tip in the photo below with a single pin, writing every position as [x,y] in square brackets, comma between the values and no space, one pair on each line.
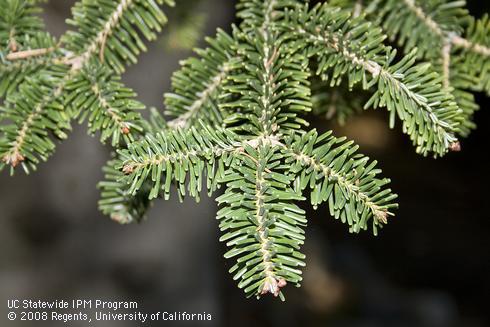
[382,216]
[455,147]
[119,218]
[128,169]
[273,285]
[125,130]
[13,159]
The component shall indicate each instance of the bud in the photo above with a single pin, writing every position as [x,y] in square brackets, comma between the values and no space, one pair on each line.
[455,146]
[382,216]
[125,130]
[273,285]
[119,218]
[13,159]
[128,169]
[281,282]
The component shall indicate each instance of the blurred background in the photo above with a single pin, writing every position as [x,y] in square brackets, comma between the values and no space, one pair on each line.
[429,267]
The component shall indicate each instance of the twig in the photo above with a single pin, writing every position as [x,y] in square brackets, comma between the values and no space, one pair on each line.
[29,53]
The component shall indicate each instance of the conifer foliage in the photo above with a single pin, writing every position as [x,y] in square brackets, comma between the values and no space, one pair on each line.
[456,44]
[237,110]
[48,82]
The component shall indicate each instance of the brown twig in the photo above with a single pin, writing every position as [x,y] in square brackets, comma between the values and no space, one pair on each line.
[29,53]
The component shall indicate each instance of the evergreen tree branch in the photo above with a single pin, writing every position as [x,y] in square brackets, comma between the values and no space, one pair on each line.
[262,228]
[262,97]
[457,80]
[451,35]
[118,21]
[425,19]
[108,104]
[192,101]
[476,52]
[113,29]
[185,120]
[21,34]
[355,48]
[257,14]
[436,28]
[34,111]
[19,20]
[425,25]
[183,156]
[116,201]
[272,89]
[237,109]
[340,177]
[14,69]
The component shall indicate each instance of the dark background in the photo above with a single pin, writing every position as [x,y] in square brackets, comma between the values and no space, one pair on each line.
[429,267]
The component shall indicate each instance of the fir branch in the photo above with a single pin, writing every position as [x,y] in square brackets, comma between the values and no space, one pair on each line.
[36,109]
[338,176]
[428,21]
[115,199]
[117,202]
[14,70]
[100,39]
[180,155]
[355,48]
[109,106]
[256,209]
[425,25]
[436,28]
[191,100]
[450,35]
[256,14]
[117,21]
[237,110]
[263,229]
[18,20]
[476,52]
[460,81]
[21,36]
[192,111]
[114,37]
[273,89]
